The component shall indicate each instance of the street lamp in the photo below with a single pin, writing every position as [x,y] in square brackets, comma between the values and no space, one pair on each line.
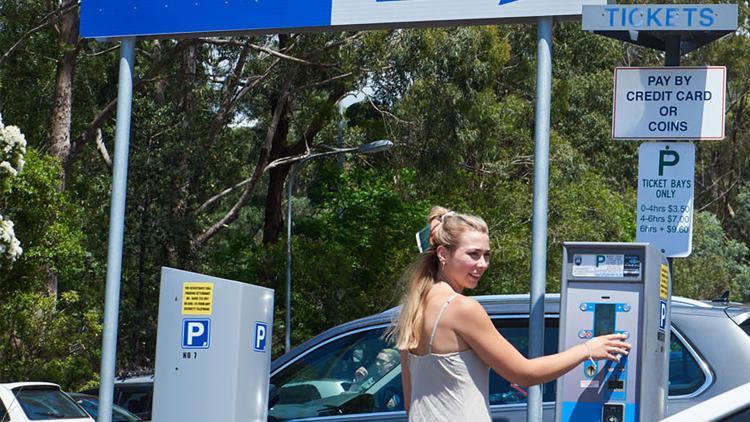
[368,148]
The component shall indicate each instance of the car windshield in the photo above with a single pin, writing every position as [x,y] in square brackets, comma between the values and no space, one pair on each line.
[118,414]
[353,374]
[45,403]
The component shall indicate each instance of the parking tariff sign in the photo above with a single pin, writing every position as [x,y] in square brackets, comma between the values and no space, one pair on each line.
[665,196]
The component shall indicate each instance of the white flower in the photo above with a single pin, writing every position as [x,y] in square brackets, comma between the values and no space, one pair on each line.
[12,150]
[10,247]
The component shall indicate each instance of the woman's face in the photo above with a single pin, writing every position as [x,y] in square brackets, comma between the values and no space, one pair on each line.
[466,264]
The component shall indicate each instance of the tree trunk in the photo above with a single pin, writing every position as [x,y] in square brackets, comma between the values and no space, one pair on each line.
[274,213]
[61,116]
[62,113]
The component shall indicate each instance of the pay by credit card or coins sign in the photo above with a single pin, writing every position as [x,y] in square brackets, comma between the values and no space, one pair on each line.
[669,103]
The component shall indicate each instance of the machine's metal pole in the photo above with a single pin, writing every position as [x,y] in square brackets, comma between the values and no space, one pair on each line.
[539,217]
[116,229]
[672,51]
[288,324]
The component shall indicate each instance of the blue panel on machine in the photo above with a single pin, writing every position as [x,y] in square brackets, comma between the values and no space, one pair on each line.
[592,412]
[118,18]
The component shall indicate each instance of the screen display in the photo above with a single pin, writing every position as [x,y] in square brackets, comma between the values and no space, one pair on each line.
[615,384]
[604,319]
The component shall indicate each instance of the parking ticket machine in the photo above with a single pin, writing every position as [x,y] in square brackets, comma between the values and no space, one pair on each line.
[615,288]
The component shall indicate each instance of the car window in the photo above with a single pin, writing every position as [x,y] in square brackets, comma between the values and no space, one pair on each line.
[685,375]
[746,326]
[516,331]
[356,373]
[136,399]
[47,403]
[3,412]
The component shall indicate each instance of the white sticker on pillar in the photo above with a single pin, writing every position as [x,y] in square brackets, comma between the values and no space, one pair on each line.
[606,266]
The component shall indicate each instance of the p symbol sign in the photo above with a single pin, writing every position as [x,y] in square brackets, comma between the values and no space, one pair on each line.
[196,333]
[261,336]
[667,158]
[662,315]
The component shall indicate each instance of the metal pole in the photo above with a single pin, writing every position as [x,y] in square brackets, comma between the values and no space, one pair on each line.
[539,217]
[116,229]
[672,51]
[288,327]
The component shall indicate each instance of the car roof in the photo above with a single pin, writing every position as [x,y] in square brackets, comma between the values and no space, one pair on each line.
[511,304]
[12,385]
[134,379]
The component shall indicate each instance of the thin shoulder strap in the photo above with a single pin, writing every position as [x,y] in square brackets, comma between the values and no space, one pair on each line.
[437,321]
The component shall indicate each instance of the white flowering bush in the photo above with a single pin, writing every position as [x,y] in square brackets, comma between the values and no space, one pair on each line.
[10,247]
[12,150]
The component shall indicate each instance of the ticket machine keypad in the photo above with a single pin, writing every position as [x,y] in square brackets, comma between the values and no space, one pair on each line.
[611,376]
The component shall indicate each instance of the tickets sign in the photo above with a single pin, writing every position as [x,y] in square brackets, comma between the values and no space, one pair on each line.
[669,103]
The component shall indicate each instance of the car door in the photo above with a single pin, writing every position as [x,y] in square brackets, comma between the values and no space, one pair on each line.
[340,379]
[508,401]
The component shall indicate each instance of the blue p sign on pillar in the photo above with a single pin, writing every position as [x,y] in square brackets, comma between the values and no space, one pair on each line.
[261,334]
[196,333]
[662,315]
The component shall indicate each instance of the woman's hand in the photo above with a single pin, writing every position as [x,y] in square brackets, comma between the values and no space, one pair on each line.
[610,346]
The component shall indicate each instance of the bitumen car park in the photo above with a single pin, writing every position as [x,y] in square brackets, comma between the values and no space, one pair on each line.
[34,401]
[709,354]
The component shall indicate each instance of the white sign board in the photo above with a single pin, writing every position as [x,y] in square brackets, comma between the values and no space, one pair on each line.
[377,12]
[660,17]
[665,196]
[669,103]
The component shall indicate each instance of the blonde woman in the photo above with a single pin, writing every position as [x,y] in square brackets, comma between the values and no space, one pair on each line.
[447,341]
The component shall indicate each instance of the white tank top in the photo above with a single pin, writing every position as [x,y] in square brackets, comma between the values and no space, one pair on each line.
[448,387]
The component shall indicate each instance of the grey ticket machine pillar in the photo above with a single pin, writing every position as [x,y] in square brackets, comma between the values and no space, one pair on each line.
[615,288]
[213,349]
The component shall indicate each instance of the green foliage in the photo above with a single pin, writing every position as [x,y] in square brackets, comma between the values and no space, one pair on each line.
[45,339]
[48,224]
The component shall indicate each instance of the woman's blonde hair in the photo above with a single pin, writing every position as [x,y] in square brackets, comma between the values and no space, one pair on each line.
[446,228]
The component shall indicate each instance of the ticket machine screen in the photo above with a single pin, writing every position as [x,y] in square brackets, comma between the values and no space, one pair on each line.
[604,319]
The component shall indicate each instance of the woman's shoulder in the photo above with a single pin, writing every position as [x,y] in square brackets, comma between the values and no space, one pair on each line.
[467,305]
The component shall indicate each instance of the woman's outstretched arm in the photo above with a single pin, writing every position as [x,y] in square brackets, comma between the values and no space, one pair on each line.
[477,330]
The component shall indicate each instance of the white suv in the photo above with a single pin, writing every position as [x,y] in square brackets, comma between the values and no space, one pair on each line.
[38,401]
